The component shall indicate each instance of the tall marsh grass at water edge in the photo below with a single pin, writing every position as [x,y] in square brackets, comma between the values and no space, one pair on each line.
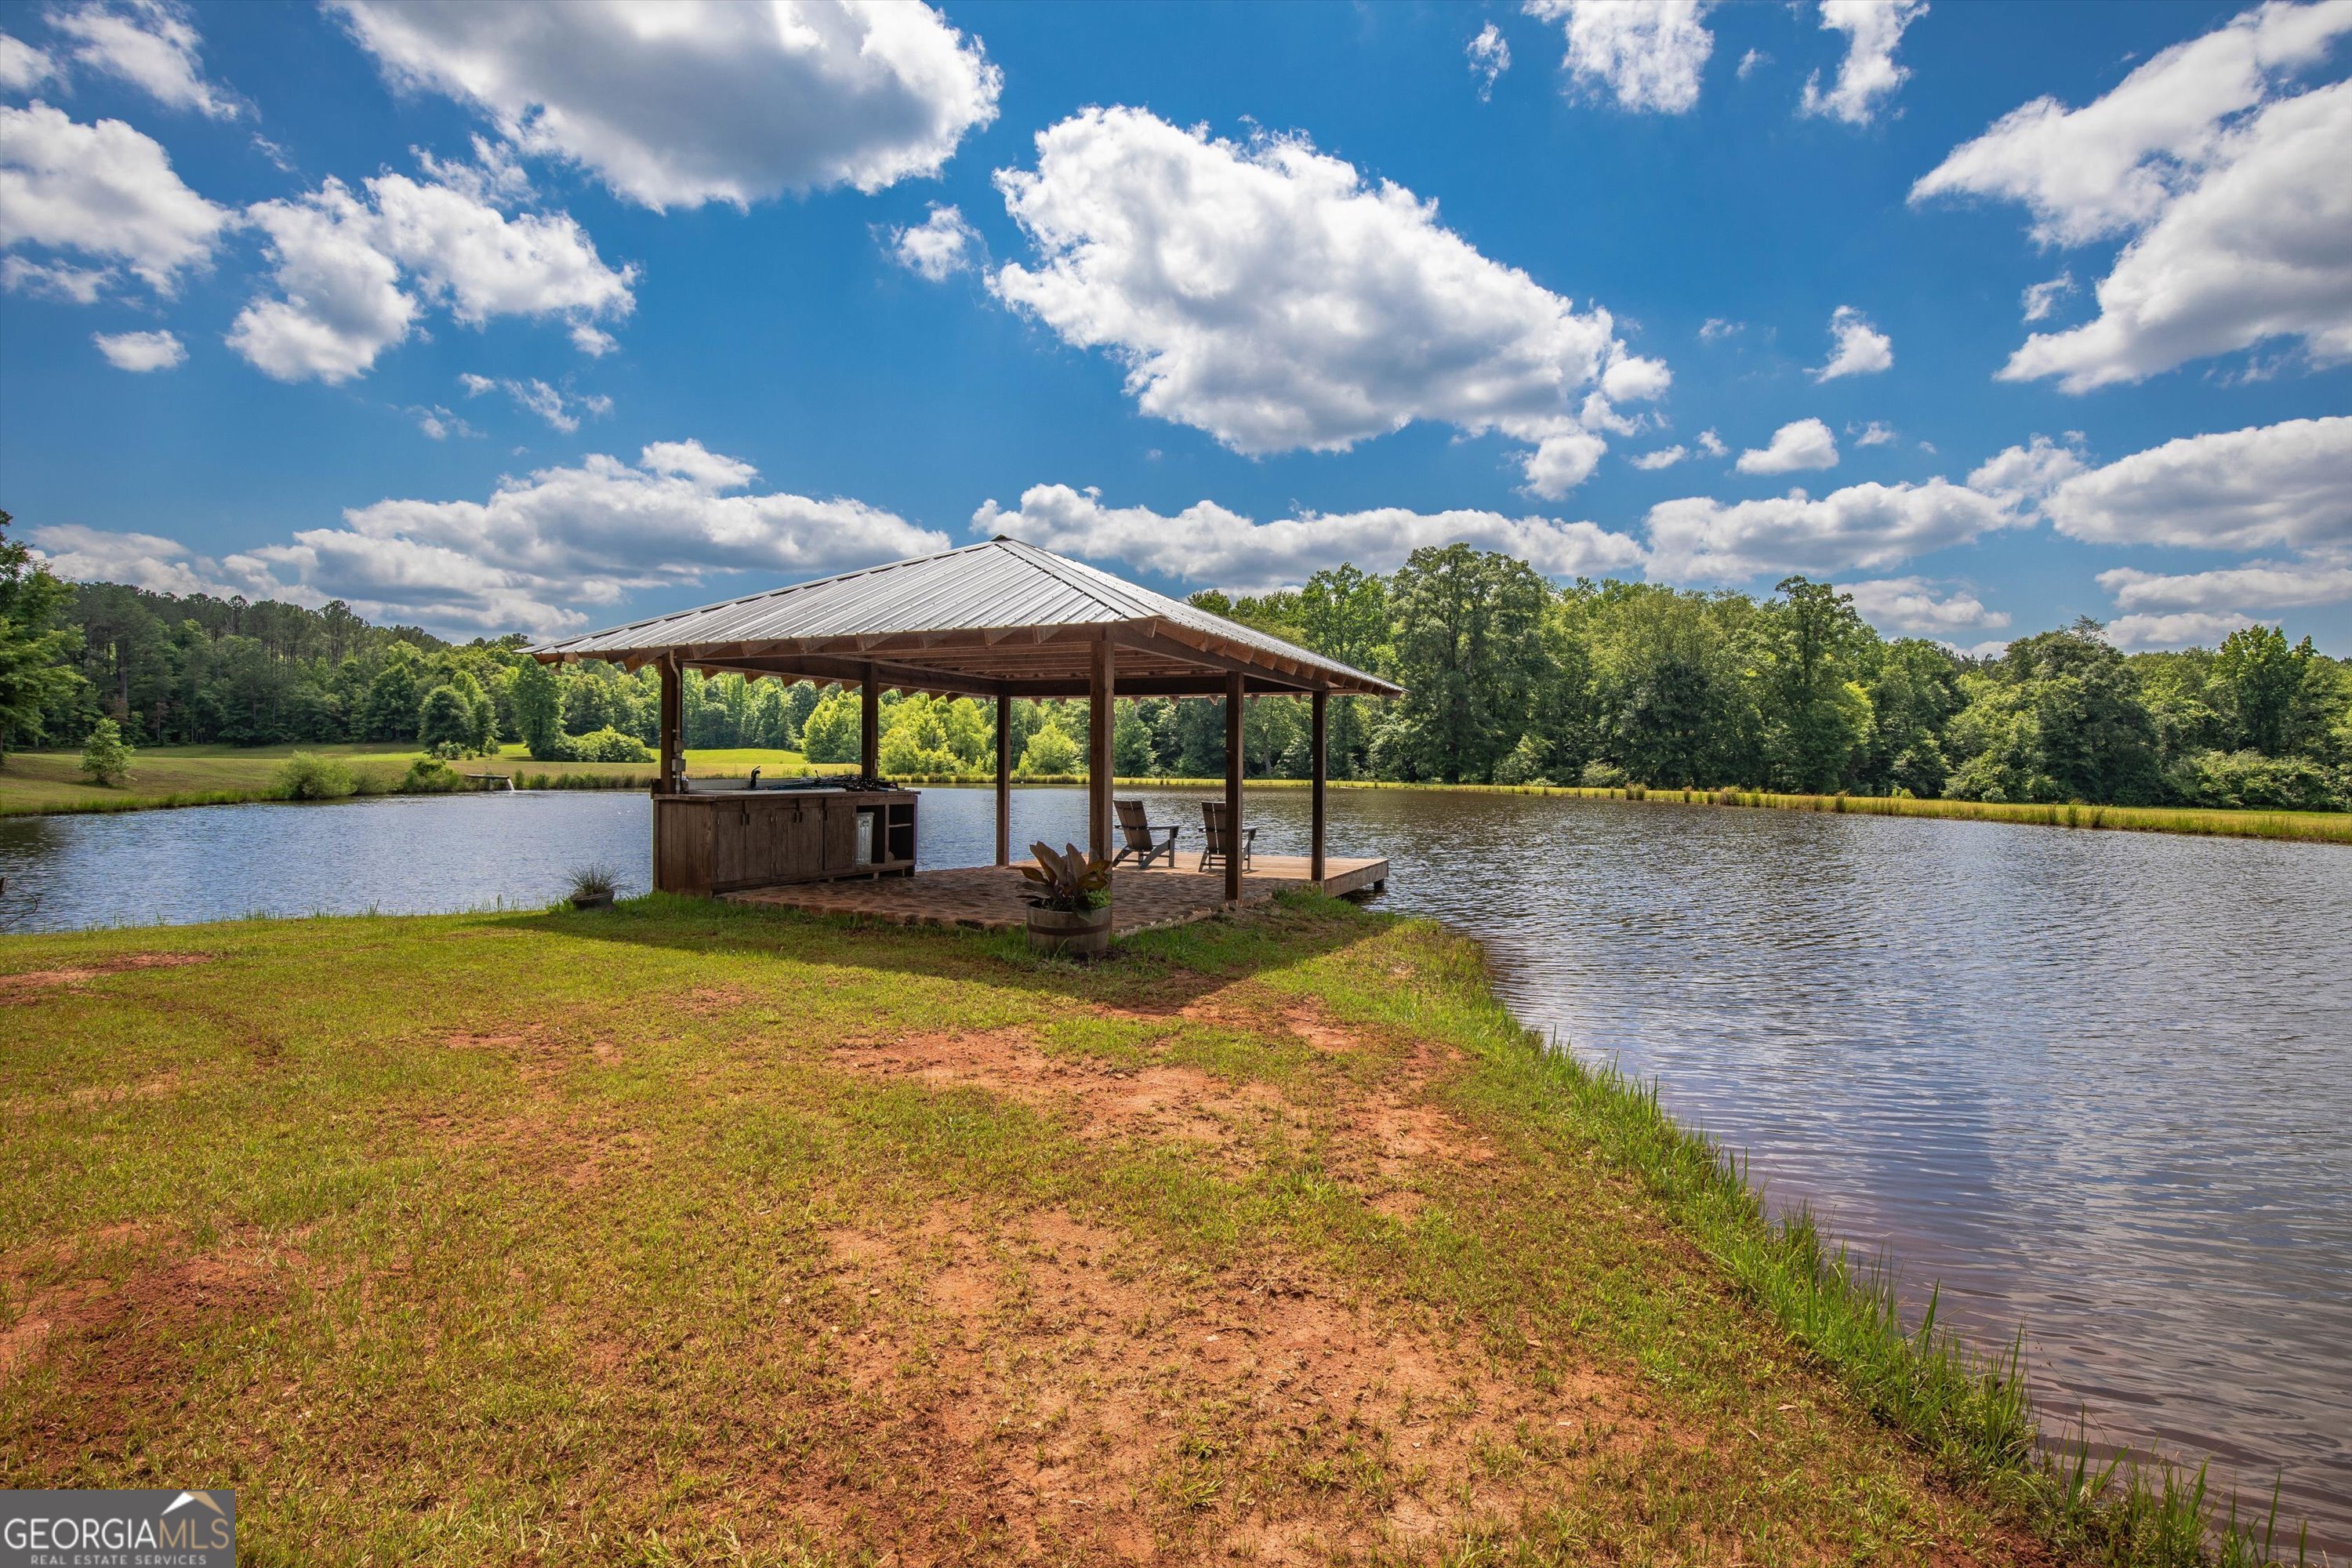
[2311,827]
[2306,827]
[1973,1414]
[584,781]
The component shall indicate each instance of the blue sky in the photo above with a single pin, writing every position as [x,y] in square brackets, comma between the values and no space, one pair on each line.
[542,320]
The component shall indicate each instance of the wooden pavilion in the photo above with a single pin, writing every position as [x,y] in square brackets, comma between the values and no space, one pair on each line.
[1002,619]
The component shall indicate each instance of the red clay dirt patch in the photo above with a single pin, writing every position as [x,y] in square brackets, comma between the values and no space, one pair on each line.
[1099,1403]
[1180,1104]
[1379,1138]
[1309,1024]
[24,984]
[126,1341]
[37,1317]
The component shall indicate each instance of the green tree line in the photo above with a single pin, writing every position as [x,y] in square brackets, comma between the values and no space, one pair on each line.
[1509,680]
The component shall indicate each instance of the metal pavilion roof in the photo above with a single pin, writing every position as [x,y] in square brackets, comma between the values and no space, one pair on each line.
[1001,617]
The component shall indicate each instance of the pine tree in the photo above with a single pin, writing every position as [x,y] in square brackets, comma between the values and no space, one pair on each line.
[105,757]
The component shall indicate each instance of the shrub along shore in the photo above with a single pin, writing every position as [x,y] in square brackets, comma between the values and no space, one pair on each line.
[677,1232]
[46,782]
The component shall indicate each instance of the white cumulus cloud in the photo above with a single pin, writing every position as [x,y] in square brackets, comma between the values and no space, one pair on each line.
[1912,606]
[1269,295]
[2260,249]
[938,248]
[1868,75]
[2275,486]
[562,410]
[2025,475]
[440,423]
[561,538]
[686,101]
[54,280]
[23,67]
[1664,457]
[149,561]
[353,274]
[1490,56]
[103,190]
[2229,182]
[1864,526]
[2040,299]
[140,351]
[150,44]
[1209,545]
[2182,628]
[1856,348]
[1646,54]
[2274,585]
[1799,444]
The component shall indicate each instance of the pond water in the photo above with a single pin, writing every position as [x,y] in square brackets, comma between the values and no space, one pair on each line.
[2096,1084]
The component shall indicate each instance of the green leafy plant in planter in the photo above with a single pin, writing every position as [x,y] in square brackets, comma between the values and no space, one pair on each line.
[1069,901]
[593,887]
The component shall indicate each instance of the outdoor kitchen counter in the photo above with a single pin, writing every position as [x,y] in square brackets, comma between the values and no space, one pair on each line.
[723,840]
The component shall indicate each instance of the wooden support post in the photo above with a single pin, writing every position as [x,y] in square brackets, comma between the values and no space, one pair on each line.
[673,722]
[1004,779]
[869,728]
[1234,787]
[1320,707]
[1098,767]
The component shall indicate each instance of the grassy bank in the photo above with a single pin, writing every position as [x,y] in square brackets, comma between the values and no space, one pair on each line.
[677,1232]
[51,782]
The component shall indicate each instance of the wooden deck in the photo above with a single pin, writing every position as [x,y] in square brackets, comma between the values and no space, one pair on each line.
[989,898]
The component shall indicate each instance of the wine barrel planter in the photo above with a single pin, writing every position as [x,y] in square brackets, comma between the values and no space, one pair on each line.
[1074,933]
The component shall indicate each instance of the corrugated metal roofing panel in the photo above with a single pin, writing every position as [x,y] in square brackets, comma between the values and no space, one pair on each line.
[1000,586]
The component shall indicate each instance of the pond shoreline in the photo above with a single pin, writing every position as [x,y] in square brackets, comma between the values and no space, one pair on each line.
[1964,1417]
[2296,827]
[1845,1001]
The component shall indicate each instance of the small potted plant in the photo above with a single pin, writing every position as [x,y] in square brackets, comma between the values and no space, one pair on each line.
[591,887]
[1069,902]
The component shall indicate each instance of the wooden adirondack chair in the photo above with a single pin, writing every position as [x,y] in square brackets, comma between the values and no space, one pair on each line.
[1218,831]
[1140,838]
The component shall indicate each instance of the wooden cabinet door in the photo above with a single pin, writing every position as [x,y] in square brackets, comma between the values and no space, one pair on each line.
[731,847]
[801,850]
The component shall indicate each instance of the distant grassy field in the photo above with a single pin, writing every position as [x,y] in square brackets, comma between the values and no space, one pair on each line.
[679,1233]
[199,775]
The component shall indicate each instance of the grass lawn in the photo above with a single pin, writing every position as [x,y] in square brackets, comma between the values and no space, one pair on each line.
[675,1232]
[177,775]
